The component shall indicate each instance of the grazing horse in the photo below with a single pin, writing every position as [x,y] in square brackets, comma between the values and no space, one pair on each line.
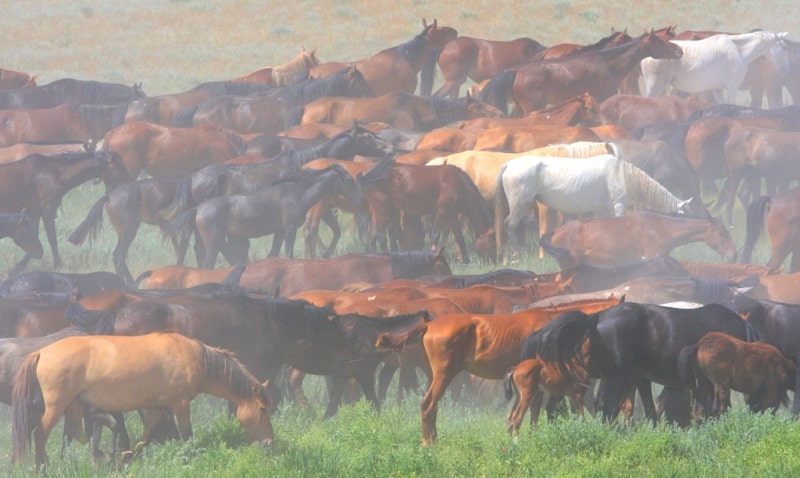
[164,151]
[603,184]
[631,343]
[781,215]
[598,72]
[715,63]
[396,68]
[10,79]
[400,109]
[478,60]
[18,226]
[61,124]
[484,345]
[69,90]
[758,370]
[169,372]
[647,234]
[283,75]
[38,183]
[278,210]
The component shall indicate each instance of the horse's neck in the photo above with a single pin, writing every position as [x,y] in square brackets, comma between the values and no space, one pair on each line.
[623,58]
[751,48]
[320,188]
[672,232]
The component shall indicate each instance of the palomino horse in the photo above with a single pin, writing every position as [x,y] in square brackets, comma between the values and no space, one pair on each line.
[400,109]
[283,75]
[10,79]
[170,371]
[278,210]
[478,60]
[484,345]
[781,214]
[647,234]
[715,63]
[164,151]
[18,226]
[69,90]
[396,68]
[581,109]
[758,370]
[631,343]
[38,183]
[601,184]
[598,72]
[61,124]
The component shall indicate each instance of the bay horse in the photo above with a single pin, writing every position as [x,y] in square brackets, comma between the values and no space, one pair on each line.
[598,72]
[758,370]
[635,111]
[630,343]
[162,151]
[18,226]
[69,90]
[478,59]
[582,109]
[603,184]
[648,234]
[780,213]
[38,183]
[170,372]
[715,63]
[10,79]
[524,139]
[279,210]
[283,75]
[61,124]
[484,345]
[400,109]
[396,68]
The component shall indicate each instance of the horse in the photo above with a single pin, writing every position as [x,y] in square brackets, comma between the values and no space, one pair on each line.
[37,283]
[758,370]
[274,111]
[478,60]
[162,151]
[631,343]
[396,68]
[278,210]
[400,109]
[18,226]
[37,184]
[662,162]
[163,108]
[484,345]
[10,79]
[647,235]
[452,140]
[20,150]
[597,72]
[715,63]
[582,109]
[602,184]
[170,371]
[779,211]
[635,111]
[61,124]
[518,140]
[66,90]
[283,75]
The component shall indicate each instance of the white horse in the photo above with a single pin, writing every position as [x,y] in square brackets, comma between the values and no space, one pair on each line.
[602,184]
[715,64]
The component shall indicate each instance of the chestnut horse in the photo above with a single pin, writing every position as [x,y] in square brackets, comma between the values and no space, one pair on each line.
[634,111]
[396,68]
[484,345]
[781,214]
[164,151]
[581,109]
[62,124]
[10,79]
[283,75]
[170,371]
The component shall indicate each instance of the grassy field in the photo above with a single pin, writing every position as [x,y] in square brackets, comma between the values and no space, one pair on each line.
[171,46]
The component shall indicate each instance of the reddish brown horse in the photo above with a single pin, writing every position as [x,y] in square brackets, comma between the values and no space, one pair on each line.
[598,72]
[782,215]
[634,111]
[478,59]
[581,109]
[396,68]
[16,79]
[164,151]
[62,124]
[283,75]
[520,140]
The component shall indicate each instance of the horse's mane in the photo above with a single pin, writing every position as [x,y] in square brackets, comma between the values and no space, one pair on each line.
[598,45]
[222,88]
[96,322]
[579,149]
[645,191]
[448,110]
[222,366]
[305,91]
[413,48]
[411,264]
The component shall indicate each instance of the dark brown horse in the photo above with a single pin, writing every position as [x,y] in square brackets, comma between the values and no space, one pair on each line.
[38,183]
[62,124]
[781,213]
[396,68]
[599,73]
[164,151]
[478,59]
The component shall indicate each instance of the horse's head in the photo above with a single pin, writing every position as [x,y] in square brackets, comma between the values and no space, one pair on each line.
[357,85]
[368,143]
[661,49]
[437,36]
[486,246]
[480,109]
[309,57]
[254,414]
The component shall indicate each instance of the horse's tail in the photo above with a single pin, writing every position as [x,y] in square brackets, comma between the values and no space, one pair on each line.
[497,90]
[180,228]
[26,386]
[138,281]
[509,387]
[397,342]
[428,72]
[755,222]
[97,322]
[500,207]
[91,225]
[182,200]
[751,333]
[185,117]
[233,278]
[549,248]
[687,365]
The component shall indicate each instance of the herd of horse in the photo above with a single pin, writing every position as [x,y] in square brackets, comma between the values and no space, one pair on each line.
[604,178]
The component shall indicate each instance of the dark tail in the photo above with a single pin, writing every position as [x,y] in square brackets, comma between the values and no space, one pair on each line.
[233,278]
[138,281]
[755,222]
[182,200]
[91,225]
[26,386]
[396,342]
[185,117]
[751,334]
[509,387]
[496,92]
[180,228]
[549,248]
[687,365]
[428,72]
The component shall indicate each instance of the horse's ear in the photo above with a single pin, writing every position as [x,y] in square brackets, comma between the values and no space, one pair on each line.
[435,21]
[260,392]
[424,23]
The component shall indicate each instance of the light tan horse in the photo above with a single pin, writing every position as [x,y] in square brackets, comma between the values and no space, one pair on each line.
[283,75]
[169,370]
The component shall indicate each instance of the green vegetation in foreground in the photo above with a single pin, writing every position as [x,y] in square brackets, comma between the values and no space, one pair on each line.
[360,442]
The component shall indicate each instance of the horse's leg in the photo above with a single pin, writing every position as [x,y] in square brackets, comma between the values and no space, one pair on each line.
[296,386]
[236,250]
[385,379]
[613,392]
[126,233]
[49,220]
[288,239]
[333,222]
[335,392]
[455,226]
[367,381]
[182,412]
[311,231]
[443,370]
[277,242]
[646,394]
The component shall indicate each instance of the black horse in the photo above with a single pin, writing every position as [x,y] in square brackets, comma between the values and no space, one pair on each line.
[631,343]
